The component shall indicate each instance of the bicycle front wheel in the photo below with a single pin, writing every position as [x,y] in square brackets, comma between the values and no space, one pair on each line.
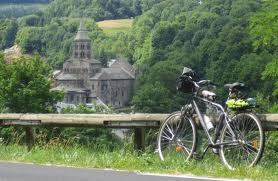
[177,138]
[247,137]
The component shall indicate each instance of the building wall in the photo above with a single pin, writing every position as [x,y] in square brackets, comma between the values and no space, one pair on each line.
[75,98]
[115,92]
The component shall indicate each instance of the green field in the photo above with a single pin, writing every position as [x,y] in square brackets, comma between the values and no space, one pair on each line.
[111,27]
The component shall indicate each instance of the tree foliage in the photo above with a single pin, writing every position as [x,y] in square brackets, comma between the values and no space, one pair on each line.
[54,40]
[19,10]
[215,38]
[211,37]
[152,98]
[8,29]
[264,33]
[98,9]
[25,88]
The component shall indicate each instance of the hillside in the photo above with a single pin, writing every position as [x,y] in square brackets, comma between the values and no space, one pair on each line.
[214,38]
[99,9]
[16,10]
[24,1]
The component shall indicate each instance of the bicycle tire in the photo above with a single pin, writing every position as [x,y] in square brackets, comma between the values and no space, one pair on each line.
[250,137]
[177,137]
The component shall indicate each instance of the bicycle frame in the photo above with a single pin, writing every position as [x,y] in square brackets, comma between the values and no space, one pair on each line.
[226,119]
[238,138]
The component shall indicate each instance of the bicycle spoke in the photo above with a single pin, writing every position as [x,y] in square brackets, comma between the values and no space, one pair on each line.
[176,138]
[249,136]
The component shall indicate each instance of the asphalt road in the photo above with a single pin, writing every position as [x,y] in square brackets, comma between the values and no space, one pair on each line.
[31,172]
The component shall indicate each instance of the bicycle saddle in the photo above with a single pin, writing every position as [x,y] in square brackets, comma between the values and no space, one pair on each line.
[235,85]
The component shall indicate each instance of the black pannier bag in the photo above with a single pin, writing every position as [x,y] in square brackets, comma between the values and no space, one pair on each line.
[185,81]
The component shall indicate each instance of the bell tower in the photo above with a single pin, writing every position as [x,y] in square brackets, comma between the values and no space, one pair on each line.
[82,43]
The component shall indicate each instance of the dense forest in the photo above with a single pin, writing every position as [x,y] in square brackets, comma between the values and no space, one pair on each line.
[215,38]
[99,9]
[25,1]
[225,41]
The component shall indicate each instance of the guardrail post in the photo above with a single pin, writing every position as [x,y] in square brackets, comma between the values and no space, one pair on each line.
[139,138]
[30,137]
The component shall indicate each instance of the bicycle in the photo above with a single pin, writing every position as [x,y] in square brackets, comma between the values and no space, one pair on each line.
[239,138]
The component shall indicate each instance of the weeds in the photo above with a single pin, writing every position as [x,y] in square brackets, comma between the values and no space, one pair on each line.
[58,151]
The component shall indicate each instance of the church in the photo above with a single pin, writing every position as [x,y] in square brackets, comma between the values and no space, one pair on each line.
[83,79]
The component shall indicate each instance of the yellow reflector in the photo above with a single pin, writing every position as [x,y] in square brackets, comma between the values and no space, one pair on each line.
[255,144]
[179,148]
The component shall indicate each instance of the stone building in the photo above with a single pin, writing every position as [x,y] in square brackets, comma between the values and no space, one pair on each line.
[83,78]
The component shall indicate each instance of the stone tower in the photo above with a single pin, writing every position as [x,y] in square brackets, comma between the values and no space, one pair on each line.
[82,43]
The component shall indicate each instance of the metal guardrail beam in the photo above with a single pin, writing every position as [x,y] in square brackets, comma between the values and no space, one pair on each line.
[137,121]
[116,120]
[119,120]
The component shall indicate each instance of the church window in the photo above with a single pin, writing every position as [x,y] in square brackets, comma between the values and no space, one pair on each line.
[82,55]
[82,46]
[103,87]
[88,46]
[119,103]
[71,97]
[122,93]
[75,54]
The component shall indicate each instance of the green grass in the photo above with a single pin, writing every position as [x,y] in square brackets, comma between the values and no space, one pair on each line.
[112,27]
[78,156]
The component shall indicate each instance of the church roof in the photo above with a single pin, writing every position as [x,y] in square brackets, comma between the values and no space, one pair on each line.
[122,64]
[93,61]
[66,77]
[82,33]
[69,89]
[113,74]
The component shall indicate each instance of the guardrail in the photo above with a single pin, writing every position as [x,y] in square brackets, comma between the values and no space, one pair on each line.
[137,121]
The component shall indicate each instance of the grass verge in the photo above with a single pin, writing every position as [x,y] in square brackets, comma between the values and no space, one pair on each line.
[79,156]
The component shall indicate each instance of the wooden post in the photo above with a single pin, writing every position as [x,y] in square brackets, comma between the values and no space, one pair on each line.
[139,139]
[30,137]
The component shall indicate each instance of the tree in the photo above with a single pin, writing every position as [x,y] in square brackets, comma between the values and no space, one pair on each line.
[264,33]
[25,88]
[212,38]
[8,30]
[152,98]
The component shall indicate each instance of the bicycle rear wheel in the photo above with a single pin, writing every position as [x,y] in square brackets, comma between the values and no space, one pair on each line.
[177,138]
[249,141]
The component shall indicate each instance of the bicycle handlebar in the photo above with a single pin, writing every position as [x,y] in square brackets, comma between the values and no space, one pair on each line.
[205,83]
